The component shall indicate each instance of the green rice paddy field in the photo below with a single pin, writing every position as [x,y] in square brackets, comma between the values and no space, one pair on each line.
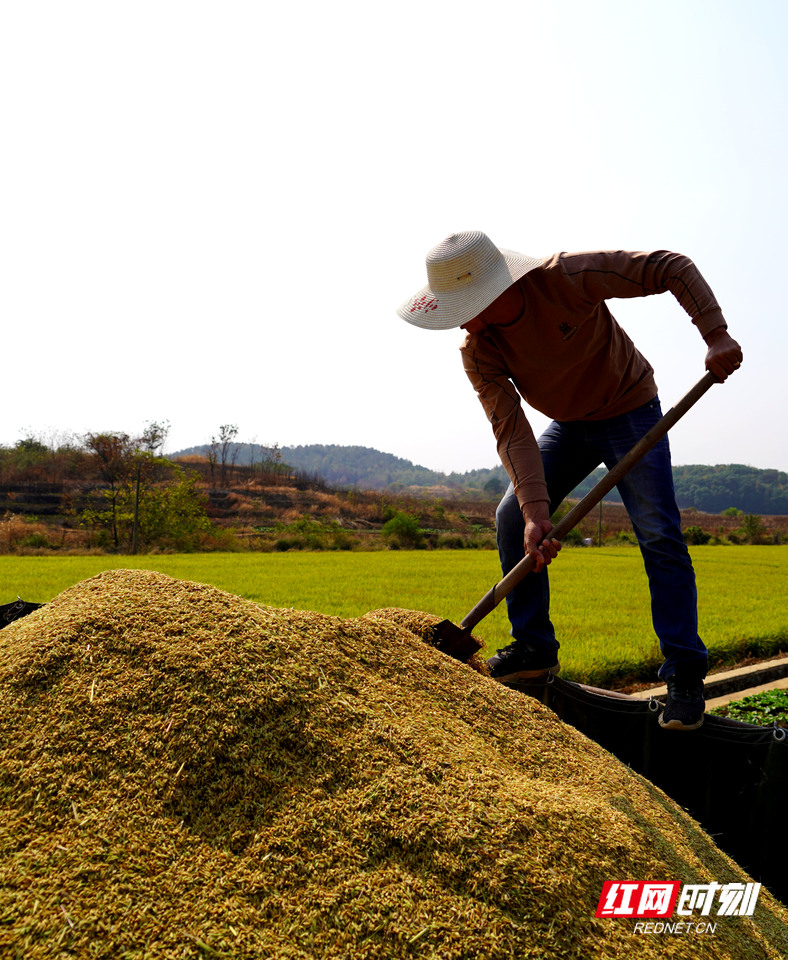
[600,601]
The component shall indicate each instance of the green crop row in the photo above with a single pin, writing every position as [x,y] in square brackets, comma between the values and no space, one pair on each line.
[600,601]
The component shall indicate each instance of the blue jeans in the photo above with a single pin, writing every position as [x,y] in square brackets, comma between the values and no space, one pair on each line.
[570,451]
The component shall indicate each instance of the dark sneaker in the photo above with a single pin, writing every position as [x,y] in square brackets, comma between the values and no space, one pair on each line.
[519,662]
[684,705]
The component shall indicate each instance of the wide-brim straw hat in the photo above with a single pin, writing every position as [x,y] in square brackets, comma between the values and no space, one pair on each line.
[466,272]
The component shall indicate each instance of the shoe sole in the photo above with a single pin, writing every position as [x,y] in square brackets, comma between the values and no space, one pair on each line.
[521,675]
[678,725]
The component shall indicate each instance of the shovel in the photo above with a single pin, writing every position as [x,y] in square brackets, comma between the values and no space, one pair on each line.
[457,641]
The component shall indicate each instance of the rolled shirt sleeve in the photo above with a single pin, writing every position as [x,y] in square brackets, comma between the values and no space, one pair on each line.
[517,447]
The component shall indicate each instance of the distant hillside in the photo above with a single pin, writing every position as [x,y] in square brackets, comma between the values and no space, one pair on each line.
[714,489]
[362,467]
[711,489]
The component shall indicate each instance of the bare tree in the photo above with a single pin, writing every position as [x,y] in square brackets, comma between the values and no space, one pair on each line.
[154,436]
[227,434]
[213,457]
[271,464]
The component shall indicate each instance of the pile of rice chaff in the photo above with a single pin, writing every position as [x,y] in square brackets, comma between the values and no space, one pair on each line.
[184,773]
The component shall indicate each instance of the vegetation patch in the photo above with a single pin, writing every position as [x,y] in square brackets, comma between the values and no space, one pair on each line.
[113,493]
[763,709]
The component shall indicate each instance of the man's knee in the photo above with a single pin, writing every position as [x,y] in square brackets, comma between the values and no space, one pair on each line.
[508,512]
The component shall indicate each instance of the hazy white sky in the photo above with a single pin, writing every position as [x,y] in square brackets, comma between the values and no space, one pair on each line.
[210,211]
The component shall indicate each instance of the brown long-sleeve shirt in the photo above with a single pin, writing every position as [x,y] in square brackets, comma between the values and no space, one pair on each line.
[566,355]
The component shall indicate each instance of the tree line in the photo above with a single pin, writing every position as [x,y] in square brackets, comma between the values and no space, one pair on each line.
[125,491]
[710,489]
[125,494]
[132,497]
[714,489]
